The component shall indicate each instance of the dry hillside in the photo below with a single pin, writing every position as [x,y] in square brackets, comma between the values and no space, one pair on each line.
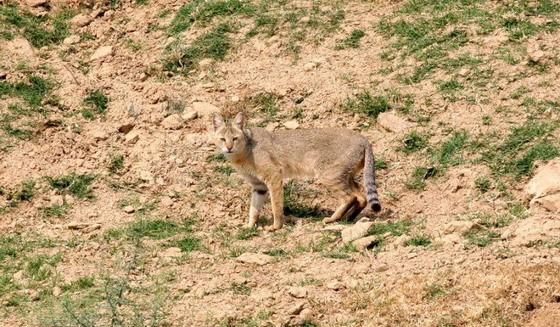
[115,210]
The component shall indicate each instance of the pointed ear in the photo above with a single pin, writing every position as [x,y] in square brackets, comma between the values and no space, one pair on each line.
[239,120]
[218,121]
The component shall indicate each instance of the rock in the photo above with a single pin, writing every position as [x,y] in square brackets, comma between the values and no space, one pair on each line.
[205,63]
[291,124]
[271,126]
[298,292]
[99,135]
[393,123]
[56,291]
[534,229]
[102,52]
[56,200]
[189,115]
[364,243]
[36,3]
[129,209]
[166,201]
[262,295]
[80,20]
[125,128]
[306,315]
[296,308]
[72,39]
[172,122]
[204,109]
[534,52]
[544,188]
[132,137]
[91,228]
[311,65]
[335,285]
[146,176]
[458,226]
[172,252]
[255,258]
[356,231]
[21,47]
[381,268]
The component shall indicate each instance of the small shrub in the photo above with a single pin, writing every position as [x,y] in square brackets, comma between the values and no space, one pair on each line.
[77,185]
[419,240]
[413,142]
[352,40]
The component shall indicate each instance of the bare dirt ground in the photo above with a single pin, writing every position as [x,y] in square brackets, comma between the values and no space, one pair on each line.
[116,210]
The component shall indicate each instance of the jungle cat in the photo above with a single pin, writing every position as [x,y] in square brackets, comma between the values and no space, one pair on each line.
[331,155]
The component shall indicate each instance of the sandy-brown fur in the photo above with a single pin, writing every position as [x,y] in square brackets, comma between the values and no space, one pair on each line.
[333,156]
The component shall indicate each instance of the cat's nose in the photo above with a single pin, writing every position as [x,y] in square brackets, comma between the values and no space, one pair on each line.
[228,149]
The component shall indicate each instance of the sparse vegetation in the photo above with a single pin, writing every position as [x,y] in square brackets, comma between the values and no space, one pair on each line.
[413,142]
[77,185]
[352,40]
[367,104]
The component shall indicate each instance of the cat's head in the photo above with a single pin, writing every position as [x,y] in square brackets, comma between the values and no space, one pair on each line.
[230,136]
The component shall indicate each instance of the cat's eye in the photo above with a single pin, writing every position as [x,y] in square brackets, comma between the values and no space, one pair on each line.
[222,139]
[234,139]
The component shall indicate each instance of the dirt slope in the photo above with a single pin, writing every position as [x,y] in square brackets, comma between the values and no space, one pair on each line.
[115,209]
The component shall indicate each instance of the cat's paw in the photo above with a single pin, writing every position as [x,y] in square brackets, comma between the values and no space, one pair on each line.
[272,228]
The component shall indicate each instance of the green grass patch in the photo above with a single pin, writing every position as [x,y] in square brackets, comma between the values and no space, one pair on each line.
[189,243]
[352,40]
[75,184]
[33,91]
[419,177]
[205,11]
[40,31]
[481,237]
[214,44]
[55,210]
[267,103]
[483,184]
[116,163]
[276,252]
[414,141]
[154,229]
[40,267]
[292,205]
[247,233]
[396,228]
[450,150]
[96,103]
[81,283]
[419,240]
[365,103]
[224,169]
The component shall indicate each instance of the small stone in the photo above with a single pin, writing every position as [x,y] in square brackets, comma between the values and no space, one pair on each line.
[125,128]
[172,252]
[298,292]
[36,3]
[189,115]
[544,188]
[172,122]
[291,124]
[166,201]
[459,226]
[132,137]
[271,126]
[102,52]
[56,291]
[356,231]
[335,285]
[204,109]
[91,228]
[534,52]
[80,20]
[56,200]
[99,135]
[364,243]
[72,39]
[381,268]
[306,315]
[310,66]
[393,123]
[129,209]
[205,63]
[296,308]
[255,258]
[146,176]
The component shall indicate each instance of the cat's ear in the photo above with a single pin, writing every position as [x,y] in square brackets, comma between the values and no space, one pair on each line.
[239,120]
[217,121]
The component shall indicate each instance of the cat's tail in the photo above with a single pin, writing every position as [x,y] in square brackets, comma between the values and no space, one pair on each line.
[369,180]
